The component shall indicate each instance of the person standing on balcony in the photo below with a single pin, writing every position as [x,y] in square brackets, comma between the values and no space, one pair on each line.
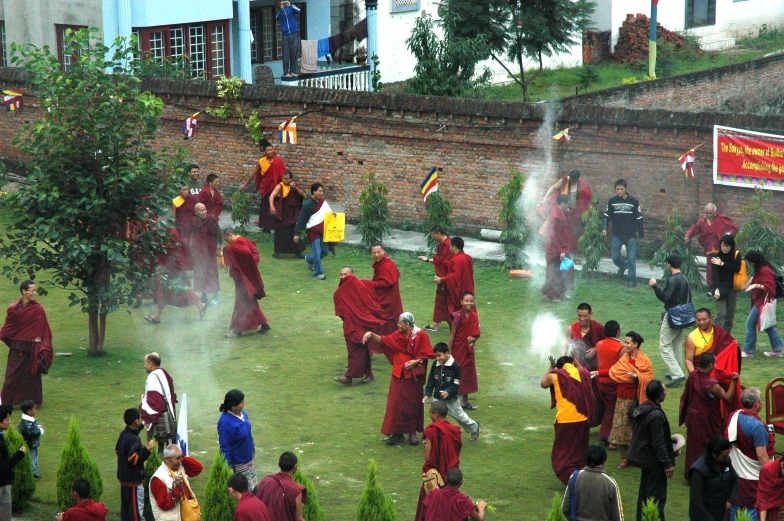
[289,28]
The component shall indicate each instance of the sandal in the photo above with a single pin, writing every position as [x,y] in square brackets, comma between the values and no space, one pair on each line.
[623,464]
[469,407]
[151,319]
[202,310]
[612,446]
[231,335]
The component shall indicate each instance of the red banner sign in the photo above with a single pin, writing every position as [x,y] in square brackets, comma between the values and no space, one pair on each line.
[748,159]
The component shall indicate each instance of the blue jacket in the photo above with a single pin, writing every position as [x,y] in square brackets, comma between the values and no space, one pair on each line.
[288,19]
[235,438]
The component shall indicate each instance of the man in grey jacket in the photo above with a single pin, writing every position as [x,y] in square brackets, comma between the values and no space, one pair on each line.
[596,495]
[675,293]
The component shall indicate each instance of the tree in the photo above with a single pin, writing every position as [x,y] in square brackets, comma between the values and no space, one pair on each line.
[759,233]
[439,213]
[516,231]
[592,243]
[95,180]
[650,510]
[374,214]
[23,486]
[673,244]
[375,505]
[218,504]
[150,466]
[311,510]
[556,513]
[76,463]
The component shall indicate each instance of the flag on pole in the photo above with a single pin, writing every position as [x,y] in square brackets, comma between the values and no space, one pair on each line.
[182,425]
[429,185]
[13,100]
[687,162]
[189,127]
[288,131]
[563,136]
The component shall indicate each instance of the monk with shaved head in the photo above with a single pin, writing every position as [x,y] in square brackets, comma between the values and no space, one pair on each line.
[205,242]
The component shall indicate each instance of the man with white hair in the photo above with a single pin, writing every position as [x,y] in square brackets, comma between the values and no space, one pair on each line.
[408,349]
[709,231]
[169,485]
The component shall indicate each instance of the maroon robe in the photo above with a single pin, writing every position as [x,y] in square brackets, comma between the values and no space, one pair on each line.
[441,264]
[287,210]
[184,215]
[242,259]
[279,493]
[709,236]
[571,439]
[251,508]
[445,444]
[356,305]
[87,510]
[701,412]
[594,335]
[770,489]
[459,280]
[447,504]
[265,183]
[214,203]
[386,283]
[175,291]
[557,281]
[204,249]
[463,352]
[606,355]
[575,216]
[404,413]
[728,361]
[27,334]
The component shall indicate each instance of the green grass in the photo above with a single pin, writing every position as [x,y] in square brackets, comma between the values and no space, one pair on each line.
[294,404]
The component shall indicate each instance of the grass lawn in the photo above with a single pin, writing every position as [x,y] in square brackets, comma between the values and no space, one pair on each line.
[294,404]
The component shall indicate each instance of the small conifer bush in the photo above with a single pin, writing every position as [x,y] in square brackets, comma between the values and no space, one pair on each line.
[311,510]
[150,466]
[23,486]
[218,504]
[555,513]
[592,243]
[375,505]
[374,213]
[650,510]
[516,231]
[439,213]
[76,463]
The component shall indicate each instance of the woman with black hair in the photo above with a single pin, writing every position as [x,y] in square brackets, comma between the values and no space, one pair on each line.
[763,289]
[713,481]
[725,265]
[235,437]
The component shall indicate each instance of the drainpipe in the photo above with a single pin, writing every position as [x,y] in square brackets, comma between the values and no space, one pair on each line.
[371,12]
[243,18]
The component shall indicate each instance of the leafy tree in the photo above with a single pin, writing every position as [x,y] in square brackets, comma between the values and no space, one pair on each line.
[516,231]
[218,504]
[76,463]
[650,510]
[673,244]
[311,510]
[555,513]
[240,210]
[150,466]
[759,233]
[375,505]
[93,174]
[439,213]
[374,214]
[23,486]
[592,243]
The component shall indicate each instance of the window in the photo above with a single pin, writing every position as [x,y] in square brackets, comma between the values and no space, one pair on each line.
[64,55]
[700,13]
[401,6]
[3,49]
[267,42]
[205,43]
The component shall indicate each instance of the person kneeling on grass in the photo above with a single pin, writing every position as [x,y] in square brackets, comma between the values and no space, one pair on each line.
[444,380]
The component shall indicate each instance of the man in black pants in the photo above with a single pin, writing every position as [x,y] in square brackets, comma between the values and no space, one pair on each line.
[131,455]
[7,464]
[625,215]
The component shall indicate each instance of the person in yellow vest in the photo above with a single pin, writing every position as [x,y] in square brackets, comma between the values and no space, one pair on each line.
[706,337]
[266,176]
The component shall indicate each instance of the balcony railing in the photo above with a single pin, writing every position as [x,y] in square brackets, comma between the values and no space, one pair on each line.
[354,77]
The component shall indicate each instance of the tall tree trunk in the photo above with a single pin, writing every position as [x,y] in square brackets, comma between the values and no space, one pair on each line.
[524,83]
[97,327]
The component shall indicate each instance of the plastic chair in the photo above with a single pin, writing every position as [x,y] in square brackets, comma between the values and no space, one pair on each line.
[774,405]
[263,75]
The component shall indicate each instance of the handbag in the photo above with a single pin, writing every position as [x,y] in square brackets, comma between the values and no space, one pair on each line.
[190,510]
[767,316]
[682,315]
[431,480]
[164,428]
[740,277]
[567,264]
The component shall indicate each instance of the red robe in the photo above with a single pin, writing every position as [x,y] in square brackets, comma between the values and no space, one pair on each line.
[557,242]
[701,412]
[204,249]
[87,510]
[265,183]
[287,210]
[571,439]
[606,355]
[770,489]
[184,215]
[404,413]
[445,444]
[242,259]
[214,203]
[463,352]
[386,283]
[594,335]
[447,504]
[251,508]
[27,334]
[279,493]
[356,305]
[441,264]
[575,216]
[728,361]
[709,236]
[459,280]
[175,291]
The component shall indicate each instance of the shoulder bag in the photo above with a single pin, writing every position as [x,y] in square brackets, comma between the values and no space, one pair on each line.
[682,316]
[165,427]
[767,315]
[740,276]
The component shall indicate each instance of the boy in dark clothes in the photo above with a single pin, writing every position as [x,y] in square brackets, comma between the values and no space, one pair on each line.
[31,432]
[444,380]
[7,464]
[131,455]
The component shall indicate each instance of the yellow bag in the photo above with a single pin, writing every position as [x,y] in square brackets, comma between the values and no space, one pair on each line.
[189,506]
[432,480]
[334,227]
[739,279]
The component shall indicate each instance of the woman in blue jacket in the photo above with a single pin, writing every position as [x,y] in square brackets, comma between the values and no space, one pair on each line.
[235,436]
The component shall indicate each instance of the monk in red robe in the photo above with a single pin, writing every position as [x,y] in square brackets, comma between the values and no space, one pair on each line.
[700,408]
[285,206]
[443,442]
[282,495]
[211,197]
[459,279]
[408,349]
[26,333]
[205,239]
[386,284]
[249,507]
[556,249]
[572,396]
[355,304]
[463,334]
[608,351]
[449,504]
[770,490]
[183,209]
[441,264]
[580,198]
[266,176]
[589,332]
[242,259]
[709,231]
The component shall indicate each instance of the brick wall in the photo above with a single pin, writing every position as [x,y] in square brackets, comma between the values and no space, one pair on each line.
[596,46]
[344,135]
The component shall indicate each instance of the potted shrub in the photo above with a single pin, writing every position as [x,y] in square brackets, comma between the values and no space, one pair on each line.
[361,55]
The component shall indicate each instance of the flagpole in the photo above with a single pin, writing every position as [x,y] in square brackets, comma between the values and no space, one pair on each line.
[652,40]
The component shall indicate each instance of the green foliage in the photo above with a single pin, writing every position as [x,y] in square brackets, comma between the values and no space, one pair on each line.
[587,75]
[556,513]
[218,505]
[439,213]
[408,226]
[93,172]
[375,76]
[516,232]
[253,125]
[673,244]
[375,505]
[374,214]
[23,486]
[592,244]
[311,510]
[743,515]
[3,174]
[650,510]
[240,210]
[631,80]
[759,232]
[178,68]
[229,88]
[150,466]
[766,37]
[76,463]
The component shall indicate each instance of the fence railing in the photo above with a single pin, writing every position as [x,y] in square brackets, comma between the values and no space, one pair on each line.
[355,78]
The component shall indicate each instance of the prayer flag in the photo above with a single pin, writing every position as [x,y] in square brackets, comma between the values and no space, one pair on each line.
[189,127]
[288,131]
[13,100]
[563,136]
[687,162]
[182,426]
[430,184]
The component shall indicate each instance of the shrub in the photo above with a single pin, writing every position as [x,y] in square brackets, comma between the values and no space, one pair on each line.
[555,513]
[374,214]
[240,210]
[629,81]
[218,504]
[439,213]
[743,515]
[23,486]
[592,244]
[375,505]
[587,76]
[76,463]
[650,510]
[759,233]
[516,232]
[150,466]
[311,510]
[674,244]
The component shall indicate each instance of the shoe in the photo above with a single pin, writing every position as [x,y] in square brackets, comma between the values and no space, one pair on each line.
[612,446]
[668,376]
[744,354]
[343,380]
[623,464]
[620,272]
[475,435]
[263,328]
[772,353]
[37,476]
[413,440]
[215,302]
[310,264]
[675,382]
[469,407]
[429,327]
[394,439]
[152,320]
[276,255]
[604,441]
[202,311]
[367,380]
[320,276]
